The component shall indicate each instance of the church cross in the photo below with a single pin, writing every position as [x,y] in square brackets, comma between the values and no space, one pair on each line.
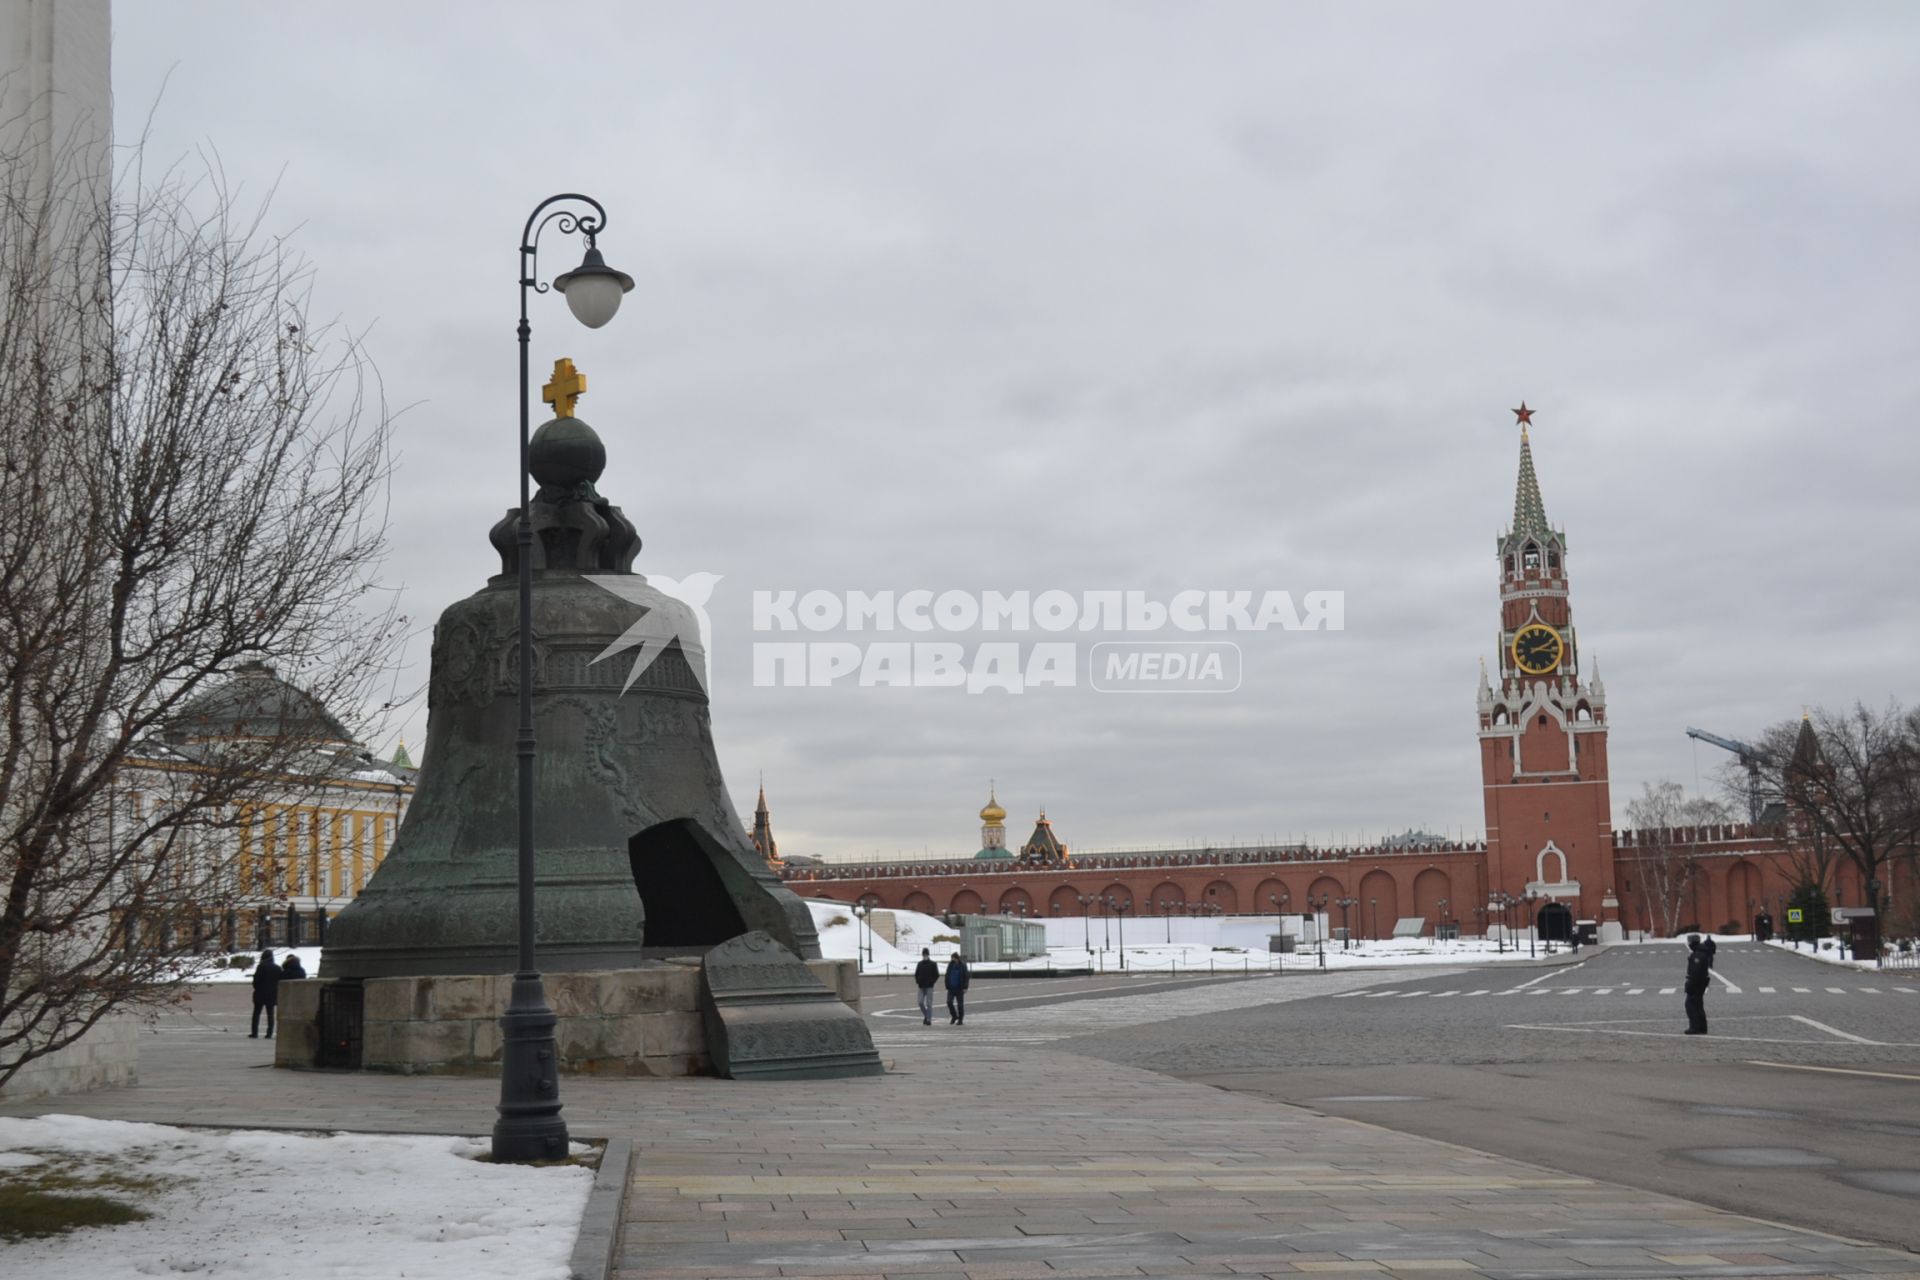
[568,385]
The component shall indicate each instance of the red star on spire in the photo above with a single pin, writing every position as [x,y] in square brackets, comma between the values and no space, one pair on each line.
[1523,415]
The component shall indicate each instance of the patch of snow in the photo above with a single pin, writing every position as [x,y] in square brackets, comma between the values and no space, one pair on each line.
[248,1203]
[206,970]
[844,936]
[1828,951]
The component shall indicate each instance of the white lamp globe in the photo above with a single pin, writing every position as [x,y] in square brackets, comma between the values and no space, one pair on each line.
[593,290]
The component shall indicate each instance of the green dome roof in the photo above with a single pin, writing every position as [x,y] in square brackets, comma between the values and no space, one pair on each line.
[994,853]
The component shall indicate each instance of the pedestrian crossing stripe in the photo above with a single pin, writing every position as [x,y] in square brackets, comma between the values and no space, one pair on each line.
[1055,1021]
[1397,993]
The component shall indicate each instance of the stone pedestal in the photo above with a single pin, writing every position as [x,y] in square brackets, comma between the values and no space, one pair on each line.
[624,1022]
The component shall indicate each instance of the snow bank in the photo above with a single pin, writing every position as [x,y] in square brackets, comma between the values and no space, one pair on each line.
[1828,951]
[843,936]
[252,1203]
[309,960]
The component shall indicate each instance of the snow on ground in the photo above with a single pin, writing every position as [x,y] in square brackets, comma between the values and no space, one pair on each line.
[844,936]
[255,1203]
[309,960]
[1829,951]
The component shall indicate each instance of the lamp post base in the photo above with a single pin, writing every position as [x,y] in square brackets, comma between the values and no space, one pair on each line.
[529,1127]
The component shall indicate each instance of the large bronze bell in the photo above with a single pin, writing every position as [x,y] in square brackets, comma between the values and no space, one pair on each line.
[632,822]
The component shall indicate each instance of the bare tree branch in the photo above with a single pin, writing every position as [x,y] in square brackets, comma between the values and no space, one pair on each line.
[194,478]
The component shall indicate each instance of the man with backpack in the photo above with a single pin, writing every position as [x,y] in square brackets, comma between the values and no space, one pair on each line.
[958,980]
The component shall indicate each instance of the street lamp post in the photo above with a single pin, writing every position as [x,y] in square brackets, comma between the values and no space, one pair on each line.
[1346,932]
[529,1126]
[863,912]
[1442,907]
[1500,901]
[1374,903]
[1086,923]
[1119,909]
[1280,926]
[1532,932]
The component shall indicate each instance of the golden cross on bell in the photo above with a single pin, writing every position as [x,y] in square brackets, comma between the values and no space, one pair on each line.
[568,385]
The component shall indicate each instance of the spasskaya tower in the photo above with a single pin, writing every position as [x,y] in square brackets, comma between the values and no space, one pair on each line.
[1543,736]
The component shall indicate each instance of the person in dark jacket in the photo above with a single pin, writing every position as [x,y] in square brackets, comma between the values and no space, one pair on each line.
[266,993]
[1699,961]
[958,980]
[292,969]
[925,974]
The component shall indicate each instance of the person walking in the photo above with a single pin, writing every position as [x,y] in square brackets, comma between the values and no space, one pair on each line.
[958,980]
[1699,961]
[925,974]
[266,993]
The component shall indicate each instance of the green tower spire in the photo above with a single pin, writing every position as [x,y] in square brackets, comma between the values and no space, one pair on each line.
[1529,511]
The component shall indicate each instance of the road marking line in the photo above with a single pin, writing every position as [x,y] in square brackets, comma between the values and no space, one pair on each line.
[1833,1031]
[1838,1071]
[1610,1031]
[1603,991]
[1802,990]
[1571,991]
[1638,991]
[1766,991]
[1909,990]
[1551,973]
[913,1010]
[1838,991]
[1406,995]
[1484,991]
[1375,995]
[1872,991]
[1442,995]
[1667,991]
[1731,989]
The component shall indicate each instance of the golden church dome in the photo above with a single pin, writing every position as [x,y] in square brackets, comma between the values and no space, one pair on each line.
[993,812]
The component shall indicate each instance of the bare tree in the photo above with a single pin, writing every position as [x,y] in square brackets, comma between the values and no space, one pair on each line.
[194,478]
[1666,860]
[1849,784]
[1811,857]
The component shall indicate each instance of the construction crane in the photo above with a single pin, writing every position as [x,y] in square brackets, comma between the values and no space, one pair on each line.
[1752,757]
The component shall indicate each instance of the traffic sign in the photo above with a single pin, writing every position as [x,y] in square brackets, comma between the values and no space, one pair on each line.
[1795,915]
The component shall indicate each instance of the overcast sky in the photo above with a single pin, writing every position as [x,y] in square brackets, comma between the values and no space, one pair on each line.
[1152,297]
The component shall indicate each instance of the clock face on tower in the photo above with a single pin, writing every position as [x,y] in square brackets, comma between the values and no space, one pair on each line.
[1537,649]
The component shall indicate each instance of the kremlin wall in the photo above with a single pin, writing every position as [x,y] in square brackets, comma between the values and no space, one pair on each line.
[1551,856]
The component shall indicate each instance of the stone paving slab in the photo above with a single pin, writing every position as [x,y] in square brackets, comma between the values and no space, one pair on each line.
[995,1162]
[970,1162]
